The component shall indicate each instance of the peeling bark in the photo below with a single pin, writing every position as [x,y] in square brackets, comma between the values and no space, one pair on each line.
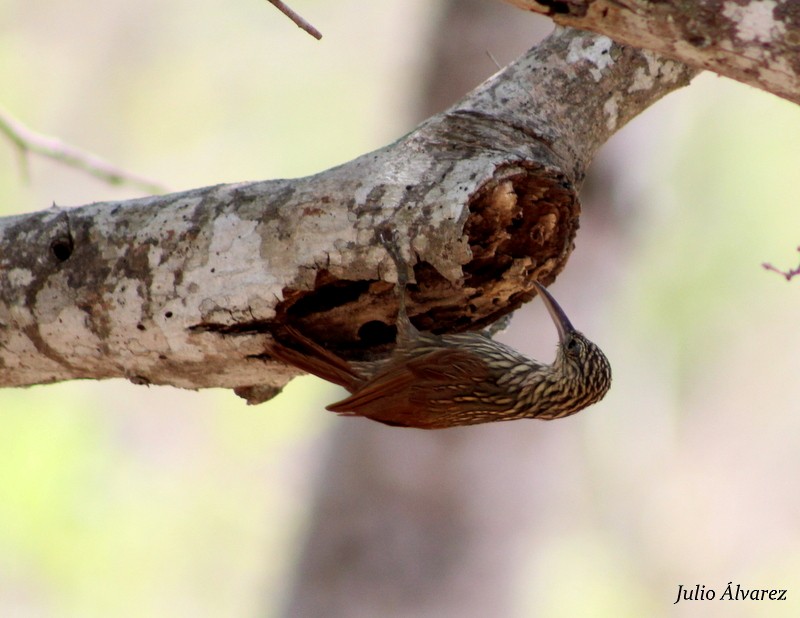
[756,42]
[183,289]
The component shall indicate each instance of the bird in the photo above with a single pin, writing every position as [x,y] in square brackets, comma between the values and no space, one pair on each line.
[435,381]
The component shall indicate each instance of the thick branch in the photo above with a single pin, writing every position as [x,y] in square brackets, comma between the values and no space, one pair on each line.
[184,289]
[753,41]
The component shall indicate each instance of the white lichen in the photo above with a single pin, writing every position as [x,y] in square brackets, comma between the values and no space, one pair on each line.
[597,52]
[755,21]
[611,110]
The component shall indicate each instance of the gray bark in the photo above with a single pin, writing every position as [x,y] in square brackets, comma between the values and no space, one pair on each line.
[756,42]
[183,289]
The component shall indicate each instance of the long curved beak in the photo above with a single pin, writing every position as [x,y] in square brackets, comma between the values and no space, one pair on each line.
[560,319]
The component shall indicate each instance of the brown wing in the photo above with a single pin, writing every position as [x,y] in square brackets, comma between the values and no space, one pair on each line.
[417,392]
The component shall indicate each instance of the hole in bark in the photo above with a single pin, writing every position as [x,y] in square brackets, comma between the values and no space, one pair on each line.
[521,228]
[328,297]
[61,248]
[376,332]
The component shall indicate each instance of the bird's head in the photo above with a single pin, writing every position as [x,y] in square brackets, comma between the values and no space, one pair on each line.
[581,368]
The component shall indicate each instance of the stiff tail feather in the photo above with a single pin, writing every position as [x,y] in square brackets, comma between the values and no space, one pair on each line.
[314,359]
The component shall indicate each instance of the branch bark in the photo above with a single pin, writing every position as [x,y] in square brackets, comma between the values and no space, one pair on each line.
[183,289]
[756,42]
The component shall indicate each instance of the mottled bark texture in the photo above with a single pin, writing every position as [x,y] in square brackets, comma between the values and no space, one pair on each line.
[756,42]
[183,289]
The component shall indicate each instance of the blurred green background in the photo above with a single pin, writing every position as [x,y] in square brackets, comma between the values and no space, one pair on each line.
[122,500]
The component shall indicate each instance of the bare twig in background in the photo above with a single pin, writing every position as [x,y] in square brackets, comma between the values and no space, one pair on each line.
[26,140]
[787,274]
[297,19]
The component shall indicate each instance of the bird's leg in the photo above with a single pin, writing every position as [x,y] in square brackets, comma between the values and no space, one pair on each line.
[389,239]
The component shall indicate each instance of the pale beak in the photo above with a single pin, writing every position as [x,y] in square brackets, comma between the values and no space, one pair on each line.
[563,325]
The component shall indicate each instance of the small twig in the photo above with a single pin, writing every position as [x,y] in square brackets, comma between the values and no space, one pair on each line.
[26,140]
[787,274]
[299,21]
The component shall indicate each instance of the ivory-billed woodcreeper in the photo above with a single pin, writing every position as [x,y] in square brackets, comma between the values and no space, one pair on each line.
[436,381]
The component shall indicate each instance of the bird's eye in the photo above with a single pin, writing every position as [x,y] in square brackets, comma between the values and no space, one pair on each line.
[575,347]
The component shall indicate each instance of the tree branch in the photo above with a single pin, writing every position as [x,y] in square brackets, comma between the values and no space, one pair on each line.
[787,274]
[756,42]
[296,18]
[26,140]
[184,289]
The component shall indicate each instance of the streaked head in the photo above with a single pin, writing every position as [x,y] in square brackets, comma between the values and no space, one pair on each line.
[581,369]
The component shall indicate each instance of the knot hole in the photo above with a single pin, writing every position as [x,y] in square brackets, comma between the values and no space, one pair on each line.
[62,248]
